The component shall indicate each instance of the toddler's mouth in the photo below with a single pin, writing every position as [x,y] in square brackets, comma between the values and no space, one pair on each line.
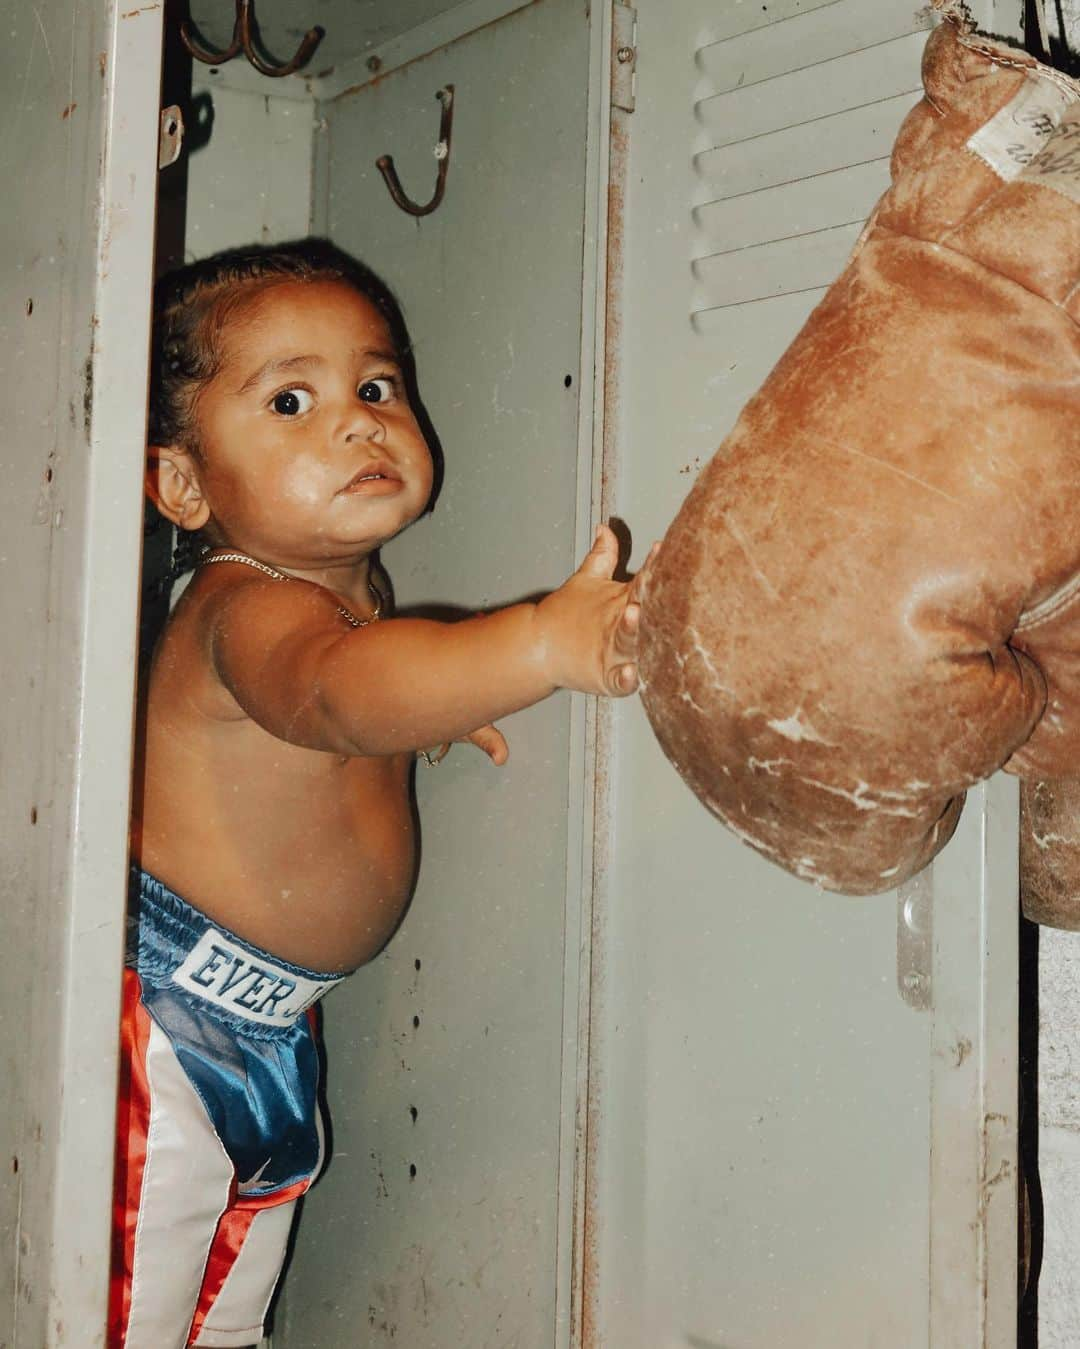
[373,478]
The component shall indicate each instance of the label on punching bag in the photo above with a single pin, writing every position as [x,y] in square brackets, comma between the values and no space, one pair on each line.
[1057,164]
[1015,137]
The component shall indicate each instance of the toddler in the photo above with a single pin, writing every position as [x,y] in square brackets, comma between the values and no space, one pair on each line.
[272,829]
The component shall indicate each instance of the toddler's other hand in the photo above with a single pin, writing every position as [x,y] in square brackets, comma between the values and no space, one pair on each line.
[492,741]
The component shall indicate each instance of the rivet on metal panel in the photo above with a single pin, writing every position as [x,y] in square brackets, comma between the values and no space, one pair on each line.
[171,136]
[914,940]
[624,51]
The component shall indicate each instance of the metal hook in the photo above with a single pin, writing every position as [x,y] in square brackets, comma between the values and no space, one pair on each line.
[243,41]
[385,163]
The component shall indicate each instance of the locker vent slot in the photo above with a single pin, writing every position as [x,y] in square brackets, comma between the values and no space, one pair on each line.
[797,115]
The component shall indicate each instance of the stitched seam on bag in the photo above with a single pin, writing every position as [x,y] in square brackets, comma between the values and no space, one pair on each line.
[994,55]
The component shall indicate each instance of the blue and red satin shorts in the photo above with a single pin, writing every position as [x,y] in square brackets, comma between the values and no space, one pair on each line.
[219,1127]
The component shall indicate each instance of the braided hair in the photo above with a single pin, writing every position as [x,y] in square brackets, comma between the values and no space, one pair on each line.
[192,307]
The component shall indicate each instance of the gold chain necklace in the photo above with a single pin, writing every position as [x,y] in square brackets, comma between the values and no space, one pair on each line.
[273,572]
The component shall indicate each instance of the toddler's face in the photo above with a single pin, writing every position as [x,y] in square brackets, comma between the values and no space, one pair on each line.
[311,453]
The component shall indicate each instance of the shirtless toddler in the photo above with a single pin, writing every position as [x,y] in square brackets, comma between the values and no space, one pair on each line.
[272,833]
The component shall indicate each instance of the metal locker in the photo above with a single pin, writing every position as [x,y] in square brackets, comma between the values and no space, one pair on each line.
[615,1081]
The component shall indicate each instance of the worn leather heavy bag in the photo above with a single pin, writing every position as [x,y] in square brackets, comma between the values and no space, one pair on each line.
[871,598]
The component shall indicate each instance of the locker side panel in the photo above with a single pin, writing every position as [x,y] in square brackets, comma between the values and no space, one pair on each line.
[78,155]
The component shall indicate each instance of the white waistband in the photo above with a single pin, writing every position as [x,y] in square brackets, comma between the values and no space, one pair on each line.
[253,987]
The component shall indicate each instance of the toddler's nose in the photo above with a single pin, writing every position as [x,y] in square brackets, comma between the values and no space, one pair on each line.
[364,423]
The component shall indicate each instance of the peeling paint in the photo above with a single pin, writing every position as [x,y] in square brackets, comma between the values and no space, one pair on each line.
[88,394]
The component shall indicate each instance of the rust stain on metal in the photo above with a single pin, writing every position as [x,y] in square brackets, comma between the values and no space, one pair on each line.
[88,393]
[616,214]
[143,9]
[586,1265]
[1005,1171]
[68,111]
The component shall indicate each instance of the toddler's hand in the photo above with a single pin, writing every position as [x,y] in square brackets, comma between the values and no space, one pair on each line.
[487,738]
[590,624]
[492,741]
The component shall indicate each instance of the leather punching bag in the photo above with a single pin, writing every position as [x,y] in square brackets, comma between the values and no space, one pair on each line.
[870,599]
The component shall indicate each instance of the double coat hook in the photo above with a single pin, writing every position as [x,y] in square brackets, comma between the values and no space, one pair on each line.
[385,163]
[244,29]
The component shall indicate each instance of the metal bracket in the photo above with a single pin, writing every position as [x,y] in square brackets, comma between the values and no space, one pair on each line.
[915,940]
[170,136]
[623,56]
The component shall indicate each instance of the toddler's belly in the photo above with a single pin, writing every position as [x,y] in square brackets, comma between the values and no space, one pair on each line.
[320,876]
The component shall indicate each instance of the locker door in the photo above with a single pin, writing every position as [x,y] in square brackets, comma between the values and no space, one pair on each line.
[78,155]
[802,1106]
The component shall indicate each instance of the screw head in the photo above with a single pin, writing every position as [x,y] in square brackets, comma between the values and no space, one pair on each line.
[624,55]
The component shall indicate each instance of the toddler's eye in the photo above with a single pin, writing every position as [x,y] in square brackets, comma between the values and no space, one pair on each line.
[292,402]
[375,390]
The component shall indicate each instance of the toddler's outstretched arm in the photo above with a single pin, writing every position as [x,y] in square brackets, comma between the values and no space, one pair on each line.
[406,683]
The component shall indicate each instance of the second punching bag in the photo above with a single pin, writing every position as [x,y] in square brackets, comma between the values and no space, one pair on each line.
[871,598]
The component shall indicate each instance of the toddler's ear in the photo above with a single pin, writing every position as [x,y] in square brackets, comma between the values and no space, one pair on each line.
[172,484]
